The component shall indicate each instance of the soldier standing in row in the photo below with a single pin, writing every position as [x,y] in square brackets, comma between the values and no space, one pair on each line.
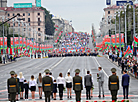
[47,85]
[77,85]
[12,85]
[113,84]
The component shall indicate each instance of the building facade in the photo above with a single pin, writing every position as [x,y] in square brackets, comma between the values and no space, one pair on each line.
[34,17]
[3,3]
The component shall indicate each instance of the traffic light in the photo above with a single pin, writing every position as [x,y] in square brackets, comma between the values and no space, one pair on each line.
[110,33]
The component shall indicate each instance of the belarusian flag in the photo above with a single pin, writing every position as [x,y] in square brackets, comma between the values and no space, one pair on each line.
[135,40]
[116,48]
[128,49]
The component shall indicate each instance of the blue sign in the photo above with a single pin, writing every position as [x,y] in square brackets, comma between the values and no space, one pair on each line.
[108,2]
[38,3]
[121,3]
[22,5]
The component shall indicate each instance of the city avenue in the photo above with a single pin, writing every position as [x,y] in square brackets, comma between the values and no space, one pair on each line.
[66,64]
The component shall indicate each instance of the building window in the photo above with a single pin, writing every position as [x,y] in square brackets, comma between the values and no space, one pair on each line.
[28,14]
[108,12]
[8,14]
[38,24]
[39,34]
[38,19]
[24,29]
[23,14]
[13,14]
[23,19]
[29,35]
[14,24]
[29,24]
[39,39]
[38,29]
[38,14]
[28,19]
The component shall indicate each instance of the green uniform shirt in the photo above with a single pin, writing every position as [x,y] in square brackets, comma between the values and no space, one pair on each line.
[113,82]
[47,83]
[77,83]
[12,84]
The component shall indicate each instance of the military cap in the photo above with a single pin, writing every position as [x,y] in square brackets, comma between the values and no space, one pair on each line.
[113,70]
[12,72]
[47,71]
[77,71]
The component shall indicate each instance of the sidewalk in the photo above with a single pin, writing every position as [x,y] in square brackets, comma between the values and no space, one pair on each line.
[17,59]
[116,63]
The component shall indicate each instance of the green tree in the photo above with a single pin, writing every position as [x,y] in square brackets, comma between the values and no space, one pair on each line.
[49,24]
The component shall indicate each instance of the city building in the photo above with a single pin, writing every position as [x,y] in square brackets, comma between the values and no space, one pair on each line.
[34,17]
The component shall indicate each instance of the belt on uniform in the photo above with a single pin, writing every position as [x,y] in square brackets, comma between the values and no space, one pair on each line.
[77,83]
[47,84]
[113,82]
[12,85]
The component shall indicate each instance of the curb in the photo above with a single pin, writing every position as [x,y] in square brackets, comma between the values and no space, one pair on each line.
[120,68]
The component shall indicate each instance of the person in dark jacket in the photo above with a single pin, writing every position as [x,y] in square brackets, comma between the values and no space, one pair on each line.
[88,84]
[125,83]
[122,65]
[54,89]
[26,87]
[135,69]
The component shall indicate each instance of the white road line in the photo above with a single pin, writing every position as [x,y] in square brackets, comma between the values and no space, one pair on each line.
[86,71]
[55,65]
[99,66]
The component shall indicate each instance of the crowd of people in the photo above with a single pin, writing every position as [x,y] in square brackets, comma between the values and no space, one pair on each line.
[126,63]
[18,84]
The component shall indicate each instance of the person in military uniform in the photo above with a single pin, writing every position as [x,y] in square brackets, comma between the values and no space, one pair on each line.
[113,84]
[47,85]
[77,85]
[12,85]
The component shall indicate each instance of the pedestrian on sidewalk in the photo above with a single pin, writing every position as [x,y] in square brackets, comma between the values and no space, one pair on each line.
[122,65]
[18,91]
[54,89]
[47,85]
[69,81]
[26,87]
[135,69]
[88,84]
[21,82]
[39,82]
[125,84]
[3,59]
[100,77]
[32,86]
[113,84]
[61,85]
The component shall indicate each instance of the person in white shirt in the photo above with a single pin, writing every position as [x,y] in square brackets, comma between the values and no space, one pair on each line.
[61,85]
[32,86]
[69,80]
[21,83]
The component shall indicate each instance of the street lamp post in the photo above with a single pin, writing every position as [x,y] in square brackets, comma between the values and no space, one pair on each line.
[33,43]
[22,33]
[115,27]
[26,35]
[19,33]
[119,30]
[36,45]
[13,34]
[3,38]
[125,6]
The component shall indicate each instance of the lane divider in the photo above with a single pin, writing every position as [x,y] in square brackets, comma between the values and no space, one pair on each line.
[55,65]
[102,68]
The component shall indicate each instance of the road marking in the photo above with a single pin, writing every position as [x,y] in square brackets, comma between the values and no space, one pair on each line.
[55,65]
[86,71]
[102,68]
[16,65]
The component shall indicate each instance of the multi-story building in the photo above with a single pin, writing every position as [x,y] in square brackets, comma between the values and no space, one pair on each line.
[34,17]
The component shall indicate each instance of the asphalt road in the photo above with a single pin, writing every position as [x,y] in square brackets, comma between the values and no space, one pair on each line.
[64,64]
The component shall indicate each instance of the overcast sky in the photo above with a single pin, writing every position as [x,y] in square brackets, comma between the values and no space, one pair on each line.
[82,12]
